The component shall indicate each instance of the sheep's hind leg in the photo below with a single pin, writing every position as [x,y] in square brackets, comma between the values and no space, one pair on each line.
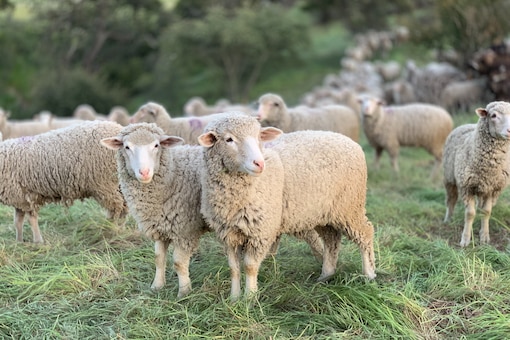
[181,260]
[160,250]
[469,216]
[485,210]
[331,238]
[452,195]
[19,217]
[33,218]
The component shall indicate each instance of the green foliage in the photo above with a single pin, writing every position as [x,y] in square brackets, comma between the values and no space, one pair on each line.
[234,45]
[62,92]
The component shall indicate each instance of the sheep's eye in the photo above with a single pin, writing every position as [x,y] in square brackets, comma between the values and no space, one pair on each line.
[229,140]
[127,147]
[156,145]
[493,115]
[276,104]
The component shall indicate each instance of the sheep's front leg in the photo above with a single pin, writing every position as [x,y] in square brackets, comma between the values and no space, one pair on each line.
[181,266]
[377,159]
[469,216]
[33,218]
[160,250]
[253,258]
[19,217]
[234,262]
[485,210]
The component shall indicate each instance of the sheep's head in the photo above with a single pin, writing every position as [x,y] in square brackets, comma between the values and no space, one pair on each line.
[140,147]
[149,113]
[497,115]
[270,108]
[235,140]
[369,105]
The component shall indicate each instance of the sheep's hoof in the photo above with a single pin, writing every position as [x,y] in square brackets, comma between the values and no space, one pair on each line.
[325,278]
[157,287]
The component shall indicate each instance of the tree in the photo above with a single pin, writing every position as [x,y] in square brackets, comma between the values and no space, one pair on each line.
[235,44]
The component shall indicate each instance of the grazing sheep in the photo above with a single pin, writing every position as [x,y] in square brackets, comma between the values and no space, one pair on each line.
[161,184]
[19,128]
[188,128]
[119,115]
[476,164]
[59,166]
[242,186]
[337,118]
[419,125]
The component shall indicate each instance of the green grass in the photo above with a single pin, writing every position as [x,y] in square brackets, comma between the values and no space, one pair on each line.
[91,279]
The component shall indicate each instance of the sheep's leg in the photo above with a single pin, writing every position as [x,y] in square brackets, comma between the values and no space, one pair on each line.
[452,194]
[33,218]
[252,260]
[181,260]
[19,217]
[377,159]
[314,241]
[485,210]
[394,160]
[331,238]
[364,238]
[437,165]
[469,216]
[160,250]
[234,256]
[274,247]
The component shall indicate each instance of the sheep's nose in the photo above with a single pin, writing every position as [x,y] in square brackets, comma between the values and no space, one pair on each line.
[259,164]
[144,172]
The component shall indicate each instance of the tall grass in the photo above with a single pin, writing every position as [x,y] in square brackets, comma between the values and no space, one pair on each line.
[91,279]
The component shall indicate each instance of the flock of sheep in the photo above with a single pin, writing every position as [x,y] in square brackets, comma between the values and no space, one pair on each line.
[250,175]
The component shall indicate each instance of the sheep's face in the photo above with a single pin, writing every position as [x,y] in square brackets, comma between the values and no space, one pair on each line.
[147,113]
[141,152]
[369,106]
[270,108]
[498,118]
[239,148]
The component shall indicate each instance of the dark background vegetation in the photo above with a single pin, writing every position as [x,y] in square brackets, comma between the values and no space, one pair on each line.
[61,53]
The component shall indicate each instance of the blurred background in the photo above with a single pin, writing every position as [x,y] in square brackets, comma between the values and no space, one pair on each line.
[58,54]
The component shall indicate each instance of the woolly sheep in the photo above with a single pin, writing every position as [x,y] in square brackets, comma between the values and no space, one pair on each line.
[161,183]
[87,112]
[59,166]
[56,122]
[476,164]
[463,95]
[119,115]
[197,107]
[418,124]
[188,128]
[337,118]
[241,189]
[19,128]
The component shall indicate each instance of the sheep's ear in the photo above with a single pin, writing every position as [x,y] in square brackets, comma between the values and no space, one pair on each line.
[269,133]
[170,141]
[114,143]
[207,139]
[481,112]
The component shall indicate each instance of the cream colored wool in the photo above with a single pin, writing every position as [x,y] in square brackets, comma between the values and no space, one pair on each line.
[336,118]
[19,128]
[476,164]
[59,166]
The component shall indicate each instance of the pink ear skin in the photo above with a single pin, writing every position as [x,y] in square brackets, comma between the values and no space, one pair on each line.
[207,139]
[114,143]
[481,112]
[170,141]
[269,133]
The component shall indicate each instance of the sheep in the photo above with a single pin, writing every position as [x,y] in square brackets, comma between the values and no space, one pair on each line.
[463,95]
[87,112]
[476,164]
[160,180]
[119,115]
[337,118]
[19,128]
[56,122]
[188,128]
[417,124]
[59,166]
[197,107]
[245,202]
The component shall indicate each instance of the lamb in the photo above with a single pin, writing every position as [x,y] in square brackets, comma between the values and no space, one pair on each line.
[160,181]
[417,124]
[337,118]
[19,128]
[476,164]
[188,128]
[244,201]
[59,166]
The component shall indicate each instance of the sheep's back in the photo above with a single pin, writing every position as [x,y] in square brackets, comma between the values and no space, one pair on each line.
[456,151]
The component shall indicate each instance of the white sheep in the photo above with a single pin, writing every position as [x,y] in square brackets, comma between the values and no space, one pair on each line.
[476,164]
[59,166]
[19,128]
[462,96]
[119,114]
[188,128]
[161,183]
[317,177]
[273,111]
[87,112]
[197,107]
[56,122]
[417,124]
